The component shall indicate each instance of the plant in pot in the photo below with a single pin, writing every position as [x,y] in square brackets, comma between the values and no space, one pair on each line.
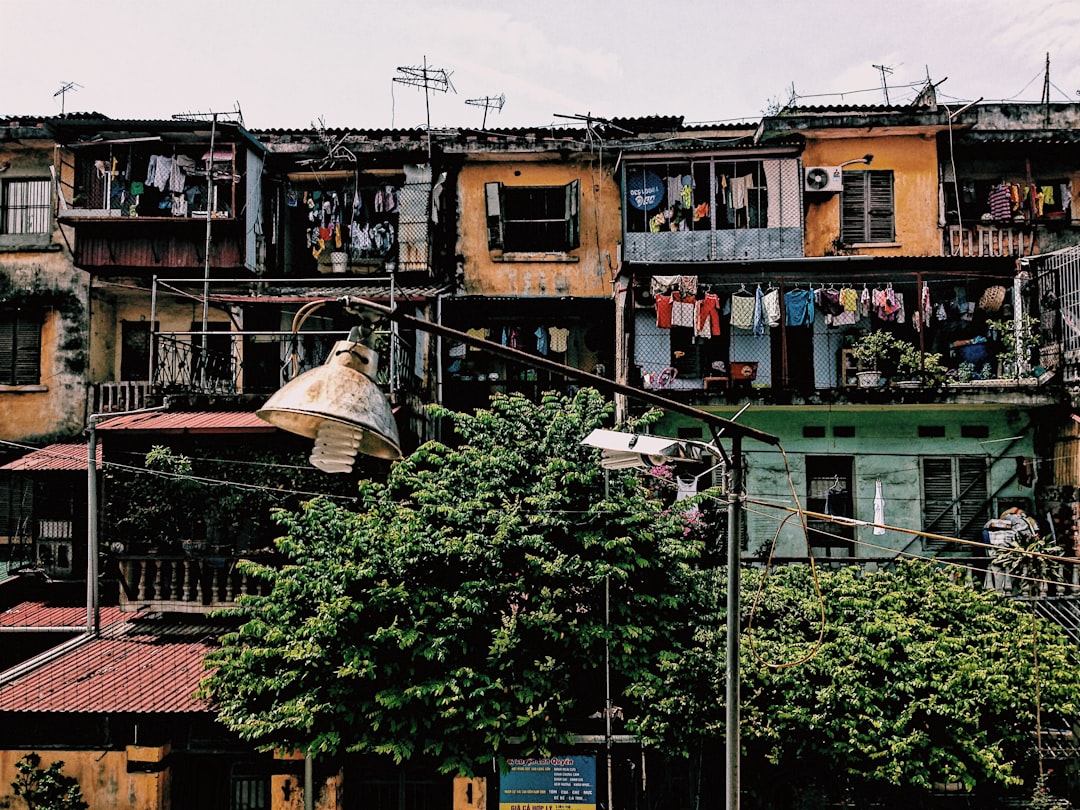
[1019,339]
[898,359]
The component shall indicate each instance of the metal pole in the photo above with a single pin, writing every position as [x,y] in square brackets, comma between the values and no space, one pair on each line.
[734,562]
[210,206]
[93,614]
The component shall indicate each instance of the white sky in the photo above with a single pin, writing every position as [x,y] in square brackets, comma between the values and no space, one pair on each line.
[288,64]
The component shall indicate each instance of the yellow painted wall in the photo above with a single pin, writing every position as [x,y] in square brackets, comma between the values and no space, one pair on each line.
[103,777]
[45,280]
[913,161]
[591,272]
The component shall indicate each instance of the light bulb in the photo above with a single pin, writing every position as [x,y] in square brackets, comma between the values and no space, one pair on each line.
[335,447]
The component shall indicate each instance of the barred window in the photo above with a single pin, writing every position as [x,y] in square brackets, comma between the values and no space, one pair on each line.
[533,219]
[25,207]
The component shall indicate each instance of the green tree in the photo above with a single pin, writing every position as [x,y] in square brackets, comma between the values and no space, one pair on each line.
[460,609]
[48,789]
[918,680]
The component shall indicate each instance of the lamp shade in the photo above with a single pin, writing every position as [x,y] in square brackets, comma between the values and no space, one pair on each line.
[338,402]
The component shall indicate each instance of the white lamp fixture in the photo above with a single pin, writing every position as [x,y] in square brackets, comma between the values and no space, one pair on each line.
[622,451]
[338,405]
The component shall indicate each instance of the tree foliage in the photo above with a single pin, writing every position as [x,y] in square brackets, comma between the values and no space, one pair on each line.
[46,789]
[458,614]
[919,680]
[460,609]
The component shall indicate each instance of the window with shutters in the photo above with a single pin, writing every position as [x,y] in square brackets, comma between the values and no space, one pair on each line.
[25,212]
[533,219]
[20,347]
[955,499]
[866,207]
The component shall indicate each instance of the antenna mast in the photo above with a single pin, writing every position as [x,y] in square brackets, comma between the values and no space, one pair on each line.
[488,103]
[65,88]
[885,71]
[430,79]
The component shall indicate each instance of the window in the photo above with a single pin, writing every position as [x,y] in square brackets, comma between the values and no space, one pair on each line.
[20,347]
[866,207]
[533,219]
[954,497]
[828,491]
[25,211]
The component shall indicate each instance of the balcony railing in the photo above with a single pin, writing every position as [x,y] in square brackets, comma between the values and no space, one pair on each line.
[182,584]
[990,239]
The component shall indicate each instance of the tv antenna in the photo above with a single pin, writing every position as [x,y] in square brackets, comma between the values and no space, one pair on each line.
[885,70]
[65,88]
[234,115]
[594,125]
[488,103]
[430,79]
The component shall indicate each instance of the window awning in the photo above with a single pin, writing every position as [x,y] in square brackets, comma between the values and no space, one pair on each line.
[68,456]
[189,422]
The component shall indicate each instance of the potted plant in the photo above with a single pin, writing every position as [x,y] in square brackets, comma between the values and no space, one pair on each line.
[1019,339]
[899,359]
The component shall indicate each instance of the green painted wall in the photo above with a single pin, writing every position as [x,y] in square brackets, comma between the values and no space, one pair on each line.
[886,443]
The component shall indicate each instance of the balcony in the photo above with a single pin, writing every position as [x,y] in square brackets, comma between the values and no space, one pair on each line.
[800,336]
[182,584]
[990,239]
[712,209]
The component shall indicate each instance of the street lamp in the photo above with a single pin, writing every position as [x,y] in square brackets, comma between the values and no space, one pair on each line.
[341,396]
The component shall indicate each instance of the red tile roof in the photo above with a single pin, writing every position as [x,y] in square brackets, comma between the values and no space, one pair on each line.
[43,614]
[188,422]
[138,666]
[54,457]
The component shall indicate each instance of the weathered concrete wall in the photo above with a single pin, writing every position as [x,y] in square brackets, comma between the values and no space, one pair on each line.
[913,161]
[587,272]
[103,776]
[41,279]
[886,445]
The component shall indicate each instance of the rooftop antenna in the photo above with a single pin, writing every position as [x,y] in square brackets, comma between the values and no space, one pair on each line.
[885,70]
[65,88]
[488,103]
[430,79]
[594,124]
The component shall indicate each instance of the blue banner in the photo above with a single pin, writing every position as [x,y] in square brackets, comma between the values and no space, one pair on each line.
[555,783]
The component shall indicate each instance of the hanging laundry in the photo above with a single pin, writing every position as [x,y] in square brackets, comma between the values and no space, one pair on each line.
[682,310]
[770,306]
[542,340]
[663,311]
[759,317]
[707,317]
[559,337]
[799,305]
[742,310]
[879,508]
[1000,201]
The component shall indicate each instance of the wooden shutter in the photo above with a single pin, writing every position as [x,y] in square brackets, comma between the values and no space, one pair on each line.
[27,351]
[493,196]
[879,207]
[866,207]
[939,512]
[7,348]
[573,228]
[972,499]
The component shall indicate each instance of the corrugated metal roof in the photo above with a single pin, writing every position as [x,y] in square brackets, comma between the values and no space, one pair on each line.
[132,667]
[66,456]
[189,422]
[48,614]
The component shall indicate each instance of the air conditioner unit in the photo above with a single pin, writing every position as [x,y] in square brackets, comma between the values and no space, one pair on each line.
[823,179]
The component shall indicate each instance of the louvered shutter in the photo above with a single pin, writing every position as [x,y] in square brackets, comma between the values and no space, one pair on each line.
[853,208]
[27,351]
[493,197]
[971,476]
[7,348]
[573,228]
[939,512]
[879,207]
[866,207]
